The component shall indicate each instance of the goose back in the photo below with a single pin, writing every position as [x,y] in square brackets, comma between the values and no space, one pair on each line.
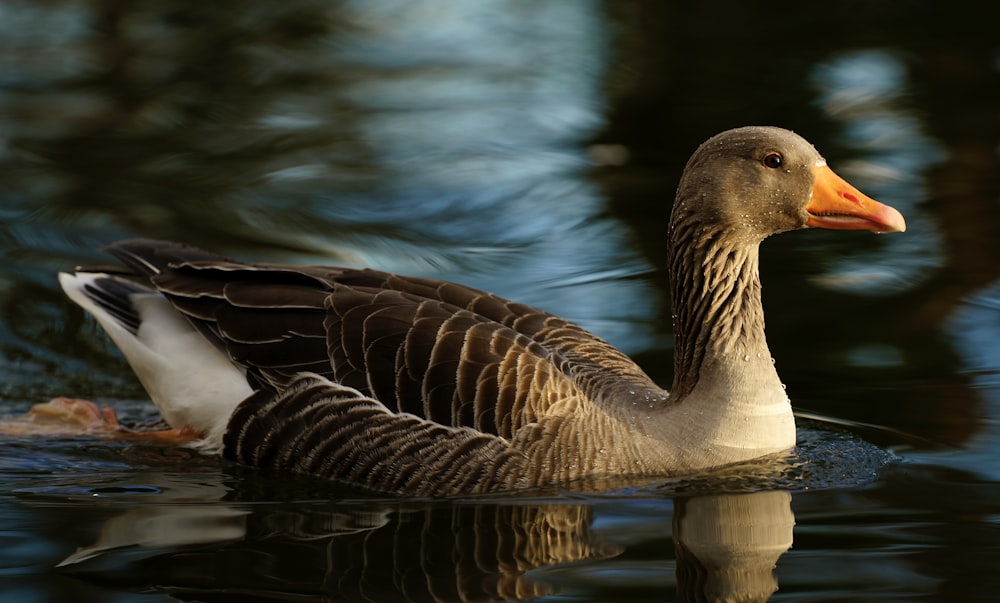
[444,352]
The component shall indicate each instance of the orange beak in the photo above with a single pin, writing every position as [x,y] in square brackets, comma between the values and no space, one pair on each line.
[837,205]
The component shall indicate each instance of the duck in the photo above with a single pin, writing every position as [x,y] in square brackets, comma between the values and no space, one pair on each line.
[421,387]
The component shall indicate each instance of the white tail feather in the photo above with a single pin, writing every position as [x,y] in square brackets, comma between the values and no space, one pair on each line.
[190,381]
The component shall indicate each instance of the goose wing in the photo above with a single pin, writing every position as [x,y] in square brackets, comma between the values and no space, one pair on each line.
[448,353]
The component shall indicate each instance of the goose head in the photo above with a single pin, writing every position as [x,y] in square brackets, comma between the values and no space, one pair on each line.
[749,183]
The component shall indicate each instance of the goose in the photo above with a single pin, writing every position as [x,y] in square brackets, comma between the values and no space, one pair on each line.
[416,386]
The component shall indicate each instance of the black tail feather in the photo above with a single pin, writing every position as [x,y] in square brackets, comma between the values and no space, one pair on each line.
[114,296]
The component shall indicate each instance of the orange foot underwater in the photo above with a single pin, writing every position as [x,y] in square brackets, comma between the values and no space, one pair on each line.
[71,416]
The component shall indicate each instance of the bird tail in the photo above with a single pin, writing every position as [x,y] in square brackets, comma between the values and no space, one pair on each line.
[191,381]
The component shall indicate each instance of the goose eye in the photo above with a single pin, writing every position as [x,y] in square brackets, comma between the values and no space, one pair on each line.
[773,160]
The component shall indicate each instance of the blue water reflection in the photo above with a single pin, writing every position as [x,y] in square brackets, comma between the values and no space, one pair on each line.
[976,330]
[866,92]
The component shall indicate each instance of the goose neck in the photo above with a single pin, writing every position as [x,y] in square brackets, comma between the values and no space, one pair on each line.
[717,315]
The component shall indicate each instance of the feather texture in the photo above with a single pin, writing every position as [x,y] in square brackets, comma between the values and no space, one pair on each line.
[317,427]
[452,354]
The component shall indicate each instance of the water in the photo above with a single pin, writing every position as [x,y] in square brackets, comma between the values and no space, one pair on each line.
[532,149]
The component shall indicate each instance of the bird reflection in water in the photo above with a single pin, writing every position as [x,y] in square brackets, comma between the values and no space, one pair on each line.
[726,548]
[728,545]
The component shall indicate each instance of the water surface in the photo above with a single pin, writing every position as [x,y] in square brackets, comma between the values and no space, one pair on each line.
[531,149]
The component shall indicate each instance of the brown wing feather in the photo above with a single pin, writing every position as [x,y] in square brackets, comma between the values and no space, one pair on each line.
[446,352]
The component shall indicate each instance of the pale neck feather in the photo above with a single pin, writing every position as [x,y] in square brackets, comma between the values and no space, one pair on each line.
[727,403]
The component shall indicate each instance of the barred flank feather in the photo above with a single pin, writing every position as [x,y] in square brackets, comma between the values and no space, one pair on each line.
[321,428]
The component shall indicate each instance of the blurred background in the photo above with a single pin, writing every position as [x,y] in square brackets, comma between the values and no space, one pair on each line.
[530,148]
